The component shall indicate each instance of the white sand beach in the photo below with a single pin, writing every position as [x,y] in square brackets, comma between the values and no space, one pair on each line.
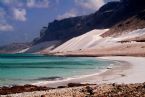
[135,74]
[127,70]
[130,71]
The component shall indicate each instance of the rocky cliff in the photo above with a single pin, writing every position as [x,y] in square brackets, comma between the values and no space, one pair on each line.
[119,17]
[107,16]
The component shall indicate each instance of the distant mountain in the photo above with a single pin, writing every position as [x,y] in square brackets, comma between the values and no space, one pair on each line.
[14,47]
[107,16]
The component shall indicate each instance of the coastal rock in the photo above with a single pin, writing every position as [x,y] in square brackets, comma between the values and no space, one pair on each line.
[74,84]
[20,89]
[103,90]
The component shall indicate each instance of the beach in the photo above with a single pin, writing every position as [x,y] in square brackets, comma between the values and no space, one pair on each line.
[133,75]
[72,48]
[130,71]
[113,71]
[124,71]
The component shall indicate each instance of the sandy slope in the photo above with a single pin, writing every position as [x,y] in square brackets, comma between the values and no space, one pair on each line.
[92,44]
[93,41]
[81,42]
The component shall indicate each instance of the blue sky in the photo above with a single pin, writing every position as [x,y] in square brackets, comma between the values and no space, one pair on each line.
[22,20]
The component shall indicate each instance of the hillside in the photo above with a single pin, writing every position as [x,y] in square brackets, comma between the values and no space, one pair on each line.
[85,41]
[125,21]
[107,16]
[15,47]
[135,22]
[93,44]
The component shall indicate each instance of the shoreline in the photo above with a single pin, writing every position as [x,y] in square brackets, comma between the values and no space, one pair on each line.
[93,78]
[135,74]
[114,70]
[130,72]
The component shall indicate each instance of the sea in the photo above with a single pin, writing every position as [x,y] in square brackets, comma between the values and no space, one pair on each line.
[20,69]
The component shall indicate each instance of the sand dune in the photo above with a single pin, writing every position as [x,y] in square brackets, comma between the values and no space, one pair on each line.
[92,44]
[81,42]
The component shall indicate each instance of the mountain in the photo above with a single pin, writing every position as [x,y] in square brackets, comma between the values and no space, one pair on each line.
[15,48]
[125,21]
[71,27]
[107,16]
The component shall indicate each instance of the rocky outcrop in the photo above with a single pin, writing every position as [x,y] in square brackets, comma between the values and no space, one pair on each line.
[19,89]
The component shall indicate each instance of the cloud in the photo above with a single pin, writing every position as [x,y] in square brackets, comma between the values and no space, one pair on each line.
[37,3]
[19,14]
[14,3]
[71,13]
[17,10]
[90,4]
[6,27]
[27,3]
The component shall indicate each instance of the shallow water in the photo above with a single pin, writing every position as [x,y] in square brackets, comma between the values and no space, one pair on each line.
[28,68]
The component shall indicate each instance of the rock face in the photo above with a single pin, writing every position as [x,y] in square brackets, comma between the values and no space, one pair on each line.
[71,27]
[107,16]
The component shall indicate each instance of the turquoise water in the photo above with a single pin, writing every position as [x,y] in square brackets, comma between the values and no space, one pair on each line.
[26,68]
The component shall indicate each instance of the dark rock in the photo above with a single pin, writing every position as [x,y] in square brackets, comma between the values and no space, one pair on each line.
[20,89]
[43,96]
[113,84]
[89,90]
[144,86]
[74,84]
[61,86]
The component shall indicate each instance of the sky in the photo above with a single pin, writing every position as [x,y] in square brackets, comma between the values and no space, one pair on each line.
[22,20]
